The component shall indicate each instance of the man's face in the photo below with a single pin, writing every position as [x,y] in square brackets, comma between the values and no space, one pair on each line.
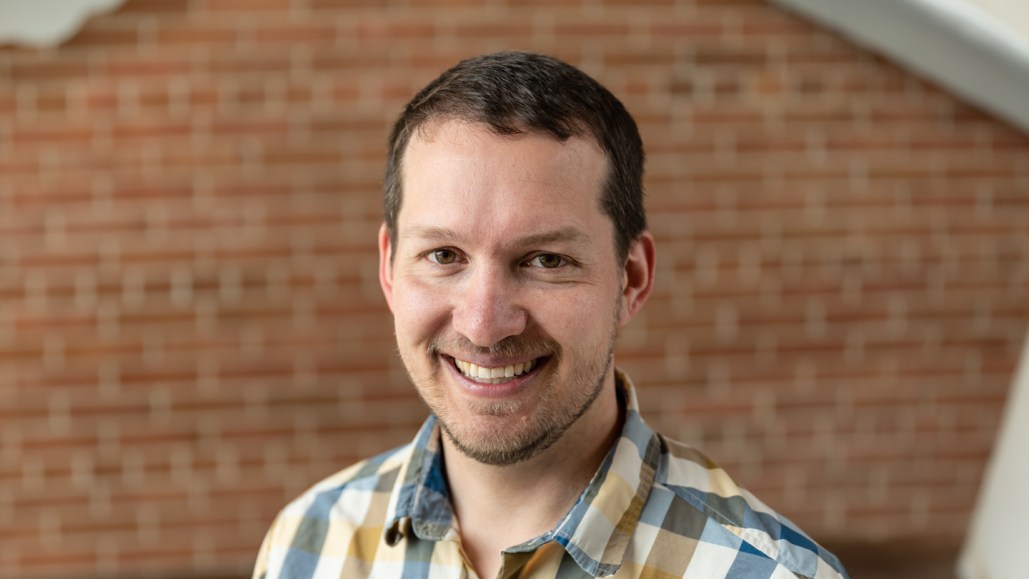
[504,285]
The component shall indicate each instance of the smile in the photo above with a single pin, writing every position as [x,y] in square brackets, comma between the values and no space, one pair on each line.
[496,375]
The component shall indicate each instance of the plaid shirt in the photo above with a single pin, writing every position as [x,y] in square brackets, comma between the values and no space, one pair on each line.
[655,509]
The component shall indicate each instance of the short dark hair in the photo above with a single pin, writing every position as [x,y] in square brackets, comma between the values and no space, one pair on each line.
[519,92]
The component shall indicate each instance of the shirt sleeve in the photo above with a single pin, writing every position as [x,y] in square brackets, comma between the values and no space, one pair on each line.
[261,565]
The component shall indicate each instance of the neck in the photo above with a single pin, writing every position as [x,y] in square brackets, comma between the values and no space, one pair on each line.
[501,506]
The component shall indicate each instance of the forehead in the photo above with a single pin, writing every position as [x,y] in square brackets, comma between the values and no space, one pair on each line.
[443,140]
[492,189]
[462,172]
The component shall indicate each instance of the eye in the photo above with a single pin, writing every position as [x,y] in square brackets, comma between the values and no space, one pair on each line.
[548,260]
[443,256]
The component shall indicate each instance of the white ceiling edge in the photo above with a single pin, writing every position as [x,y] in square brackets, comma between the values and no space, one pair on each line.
[953,42]
[47,22]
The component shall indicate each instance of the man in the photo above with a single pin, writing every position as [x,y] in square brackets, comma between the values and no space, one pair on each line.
[514,247]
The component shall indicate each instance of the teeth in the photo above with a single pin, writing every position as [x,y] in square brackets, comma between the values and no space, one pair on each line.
[493,375]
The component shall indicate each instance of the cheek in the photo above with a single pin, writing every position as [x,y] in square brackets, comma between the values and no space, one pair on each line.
[577,318]
[418,311]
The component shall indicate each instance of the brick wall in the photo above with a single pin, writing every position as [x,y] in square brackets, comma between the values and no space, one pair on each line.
[191,329]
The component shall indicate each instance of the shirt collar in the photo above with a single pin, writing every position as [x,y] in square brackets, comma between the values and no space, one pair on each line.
[421,499]
[597,529]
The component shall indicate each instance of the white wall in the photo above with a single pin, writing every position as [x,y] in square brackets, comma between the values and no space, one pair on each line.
[46,22]
[1012,13]
[979,49]
[996,544]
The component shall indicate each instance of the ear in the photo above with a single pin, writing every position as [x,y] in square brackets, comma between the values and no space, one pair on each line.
[386,265]
[637,277]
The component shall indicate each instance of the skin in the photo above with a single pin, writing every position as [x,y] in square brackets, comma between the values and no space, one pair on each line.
[503,257]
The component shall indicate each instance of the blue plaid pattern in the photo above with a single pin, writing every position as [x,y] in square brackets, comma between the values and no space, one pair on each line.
[656,509]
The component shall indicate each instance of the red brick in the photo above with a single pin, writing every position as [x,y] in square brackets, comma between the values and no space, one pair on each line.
[740,3]
[12,164]
[143,8]
[294,33]
[856,229]
[349,60]
[633,57]
[691,28]
[587,28]
[304,95]
[41,70]
[346,4]
[151,130]
[206,157]
[226,7]
[146,66]
[34,561]
[247,63]
[53,101]
[296,155]
[95,38]
[446,3]
[572,4]
[512,30]
[202,96]
[249,125]
[127,190]
[390,30]
[95,96]
[53,133]
[192,34]
[8,103]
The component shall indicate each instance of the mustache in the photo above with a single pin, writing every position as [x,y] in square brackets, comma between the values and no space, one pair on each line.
[509,347]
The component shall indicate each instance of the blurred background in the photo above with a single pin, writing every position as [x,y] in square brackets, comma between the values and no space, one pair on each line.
[192,331]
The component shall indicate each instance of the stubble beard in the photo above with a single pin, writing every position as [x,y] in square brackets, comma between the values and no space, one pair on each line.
[550,419]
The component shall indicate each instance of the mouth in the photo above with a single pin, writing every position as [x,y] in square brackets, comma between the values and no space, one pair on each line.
[496,374]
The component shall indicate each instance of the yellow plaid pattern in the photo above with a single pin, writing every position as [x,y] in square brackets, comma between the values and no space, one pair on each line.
[655,509]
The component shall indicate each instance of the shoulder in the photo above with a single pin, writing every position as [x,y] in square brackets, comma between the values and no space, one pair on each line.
[702,502]
[345,494]
[345,504]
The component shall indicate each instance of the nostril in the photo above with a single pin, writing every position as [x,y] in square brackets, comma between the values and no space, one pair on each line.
[486,324]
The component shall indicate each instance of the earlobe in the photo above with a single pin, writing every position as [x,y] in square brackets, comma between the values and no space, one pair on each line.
[638,276]
[386,265]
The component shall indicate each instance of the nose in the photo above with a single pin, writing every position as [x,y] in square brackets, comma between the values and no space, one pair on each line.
[488,308]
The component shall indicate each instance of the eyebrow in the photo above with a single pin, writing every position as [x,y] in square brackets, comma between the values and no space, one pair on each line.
[566,234]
